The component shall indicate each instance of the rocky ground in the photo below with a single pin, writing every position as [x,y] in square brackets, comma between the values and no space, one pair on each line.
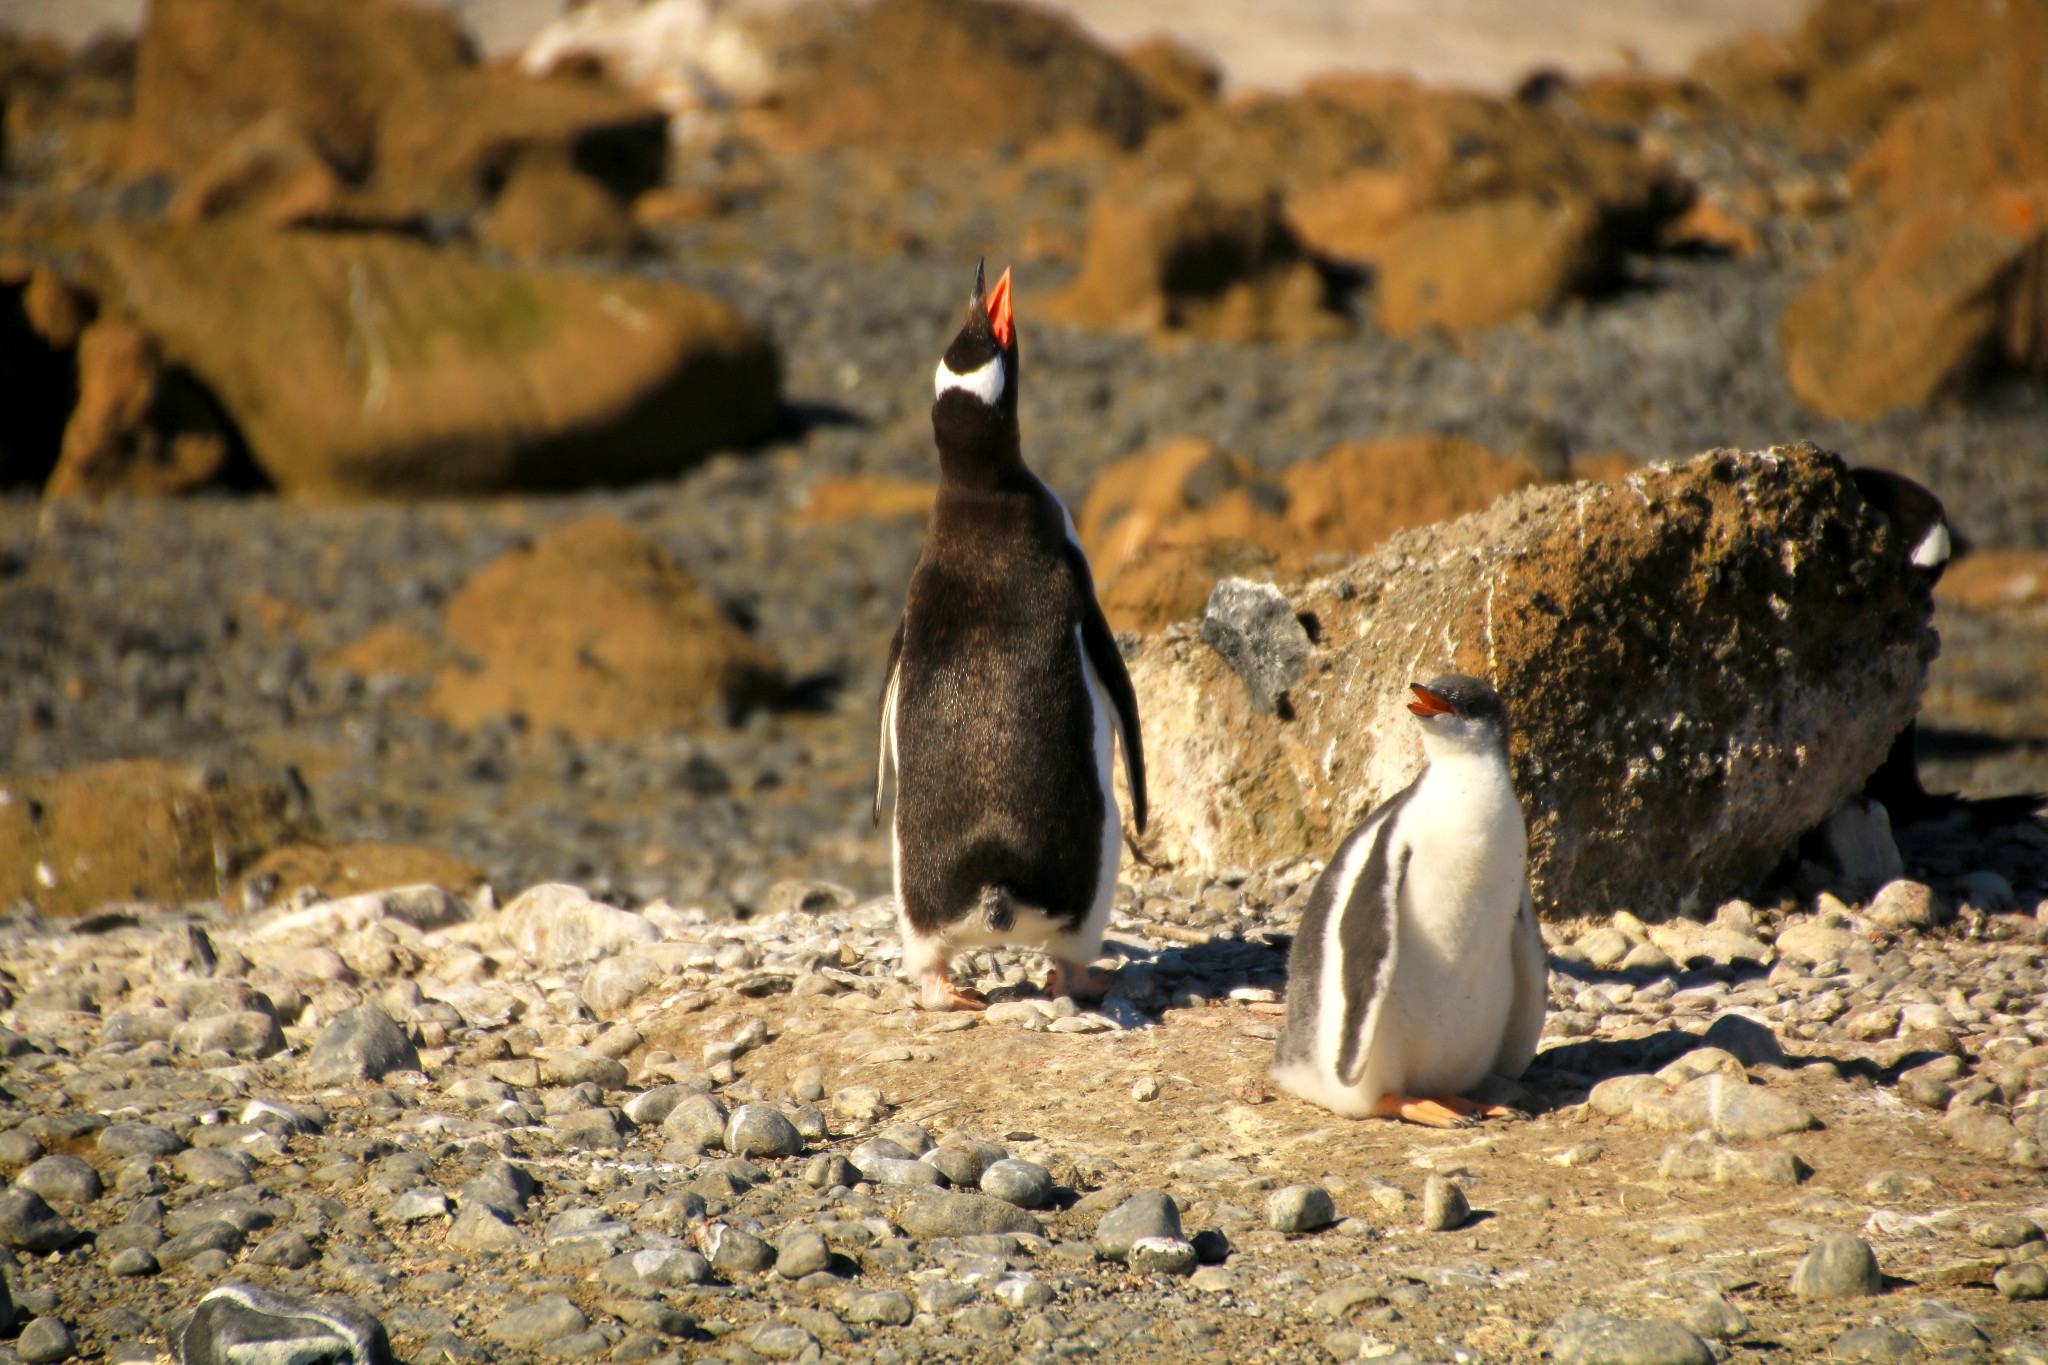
[566,1130]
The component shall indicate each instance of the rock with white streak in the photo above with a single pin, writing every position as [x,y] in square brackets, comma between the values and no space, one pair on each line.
[556,925]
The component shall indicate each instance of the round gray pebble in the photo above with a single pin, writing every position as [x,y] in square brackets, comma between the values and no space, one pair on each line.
[824,1171]
[1444,1205]
[2023,1282]
[887,1307]
[1026,1184]
[802,1254]
[1161,1256]
[45,1341]
[545,1319]
[762,1130]
[1840,1265]
[131,1261]
[64,1178]
[1300,1208]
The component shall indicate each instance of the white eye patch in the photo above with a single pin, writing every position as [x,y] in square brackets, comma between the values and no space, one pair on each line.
[1933,549]
[985,383]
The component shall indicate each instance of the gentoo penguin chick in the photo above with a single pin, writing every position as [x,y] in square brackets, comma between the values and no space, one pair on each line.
[1004,698]
[1417,968]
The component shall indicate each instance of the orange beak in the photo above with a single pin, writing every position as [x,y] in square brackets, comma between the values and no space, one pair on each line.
[999,311]
[1428,703]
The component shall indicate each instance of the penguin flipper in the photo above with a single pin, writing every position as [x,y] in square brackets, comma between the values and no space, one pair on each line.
[885,757]
[1531,997]
[1108,662]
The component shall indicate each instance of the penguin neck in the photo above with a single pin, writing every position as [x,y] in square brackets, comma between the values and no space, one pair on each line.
[1462,770]
[986,460]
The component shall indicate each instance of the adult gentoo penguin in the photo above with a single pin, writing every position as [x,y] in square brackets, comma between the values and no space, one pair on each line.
[1417,968]
[1004,698]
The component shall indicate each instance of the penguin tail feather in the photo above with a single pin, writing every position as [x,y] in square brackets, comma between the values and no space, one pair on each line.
[998,910]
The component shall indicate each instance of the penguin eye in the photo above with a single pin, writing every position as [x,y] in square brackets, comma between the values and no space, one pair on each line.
[985,383]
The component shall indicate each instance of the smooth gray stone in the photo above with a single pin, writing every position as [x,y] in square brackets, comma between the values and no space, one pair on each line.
[734,1251]
[1878,1342]
[943,1296]
[65,1178]
[416,1206]
[1713,1316]
[699,1119]
[1147,1213]
[362,1044]
[578,1345]
[802,1254]
[961,1215]
[1158,1256]
[651,1108]
[287,1249]
[132,1261]
[27,1223]
[1840,1265]
[983,1319]
[213,1168]
[961,1163]
[912,1137]
[2022,1283]
[886,1307]
[479,1227]
[1444,1205]
[138,1139]
[578,1066]
[1939,1325]
[1300,1208]
[239,1033]
[239,1208]
[18,1148]
[827,1169]
[241,1324]
[45,1341]
[1584,1338]
[501,1186]
[781,1341]
[2002,1232]
[666,1266]
[1026,1184]
[186,1246]
[545,1319]
[762,1130]
[889,1170]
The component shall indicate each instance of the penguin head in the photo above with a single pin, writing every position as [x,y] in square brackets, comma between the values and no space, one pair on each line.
[1915,513]
[974,416]
[1459,712]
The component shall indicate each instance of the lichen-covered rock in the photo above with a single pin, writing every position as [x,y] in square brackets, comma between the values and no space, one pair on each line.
[1710,657]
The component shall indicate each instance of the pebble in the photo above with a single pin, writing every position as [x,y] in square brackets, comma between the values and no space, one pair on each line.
[1716,1318]
[801,1254]
[1147,1213]
[886,1307]
[1840,1265]
[1161,1256]
[1145,1089]
[546,1319]
[1877,1342]
[2026,1281]
[28,1223]
[963,1215]
[1026,1184]
[362,1044]
[2004,1232]
[45,1341]
[138,1139]
[1300,1208]
[699,1119]
[241,1322]
[761,1130]
[1444,1205]
[65,1178]
[1584,1338]
[735,1251]
[131,1261]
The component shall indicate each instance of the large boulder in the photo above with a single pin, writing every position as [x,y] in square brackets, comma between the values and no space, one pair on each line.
[956,76]
[387,93]
[416,370]
[597,631]
[1702,662]
[137,829]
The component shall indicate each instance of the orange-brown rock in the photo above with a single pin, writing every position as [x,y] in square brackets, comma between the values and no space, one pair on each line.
[386,651]
[270,171]
[1179,77]
[53,309]
[415,370]
[386,92]
[595,630]
[549,210]
[136,829]
[1996,581]
[957,76]
[1161,527]
[350,869]
[858,497]
[1674,683]
[1480,264]
[1213,258]
[127,434]
[1915,314]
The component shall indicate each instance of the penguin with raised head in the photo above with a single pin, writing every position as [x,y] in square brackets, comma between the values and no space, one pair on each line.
[1418,968]
[1004,700]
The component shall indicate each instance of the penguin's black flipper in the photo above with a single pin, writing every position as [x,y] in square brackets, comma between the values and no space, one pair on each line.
[1108,662]
[888,709]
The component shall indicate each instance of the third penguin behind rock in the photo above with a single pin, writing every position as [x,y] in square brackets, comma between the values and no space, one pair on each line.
[1004,700]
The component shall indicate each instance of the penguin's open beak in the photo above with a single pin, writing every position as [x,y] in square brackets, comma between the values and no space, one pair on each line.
[999,311]
[1428,703]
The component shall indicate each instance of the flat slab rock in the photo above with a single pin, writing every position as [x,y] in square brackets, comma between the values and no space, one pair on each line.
[1705,658]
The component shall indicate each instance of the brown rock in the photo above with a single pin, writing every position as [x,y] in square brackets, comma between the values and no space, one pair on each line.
[270,171]
[386,92]
[1914,315]
[386,651]
[354,868]
[1164,582]
[595,630]
[136,830]
[1174,253]
[1179,77]
[53,309]
[129,434]
[1186,491]
[958,76]
[549,210]
[1996,580]
[1722,651]
[1535,254]
[833,500]
[424,371]
[1357,494]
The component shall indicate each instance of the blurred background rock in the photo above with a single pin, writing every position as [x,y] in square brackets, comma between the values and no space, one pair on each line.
[496,431]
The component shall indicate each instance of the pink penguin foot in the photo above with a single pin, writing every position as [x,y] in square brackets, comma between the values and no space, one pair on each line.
[1071,978]
[940,995]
